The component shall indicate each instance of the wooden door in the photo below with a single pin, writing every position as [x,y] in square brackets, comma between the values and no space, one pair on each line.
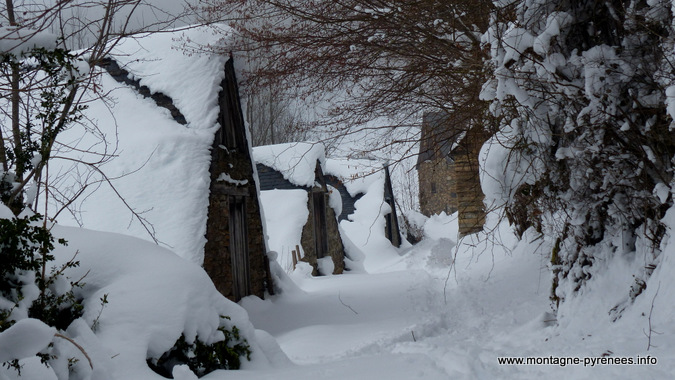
[320,230]
[241,276]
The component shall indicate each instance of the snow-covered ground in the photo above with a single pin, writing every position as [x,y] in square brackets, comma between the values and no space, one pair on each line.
[447,311]
[437,311]
[442,309]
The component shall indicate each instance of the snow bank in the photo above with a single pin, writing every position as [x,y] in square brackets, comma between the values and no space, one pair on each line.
[365,230]
[153,297]
[295,161]
[356,174]
[25,338]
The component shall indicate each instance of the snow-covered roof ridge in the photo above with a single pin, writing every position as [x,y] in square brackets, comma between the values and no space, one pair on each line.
[296,161]
[165,64]
[122,76]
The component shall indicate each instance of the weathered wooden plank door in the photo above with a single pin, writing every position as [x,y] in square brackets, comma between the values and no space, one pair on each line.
[241,276]
[320,228]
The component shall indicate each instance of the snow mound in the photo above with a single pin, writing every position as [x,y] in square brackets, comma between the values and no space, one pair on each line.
[356,174]
[285,214]
[153,297]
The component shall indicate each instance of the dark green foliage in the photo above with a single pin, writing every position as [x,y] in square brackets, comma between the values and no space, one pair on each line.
[204,358]
[20,239]
[57,310]
[25,248]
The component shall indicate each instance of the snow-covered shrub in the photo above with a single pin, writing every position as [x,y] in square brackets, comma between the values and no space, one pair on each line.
[203,358]
[581,90]
[412,222]
[43,84]
[28,289]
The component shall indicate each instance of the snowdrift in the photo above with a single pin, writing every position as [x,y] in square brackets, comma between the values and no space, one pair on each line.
[153,297]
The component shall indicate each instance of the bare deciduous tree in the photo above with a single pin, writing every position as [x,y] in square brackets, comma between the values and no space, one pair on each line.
[373,58]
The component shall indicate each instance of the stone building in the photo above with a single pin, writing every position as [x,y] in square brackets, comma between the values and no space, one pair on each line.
[448,171]
[320,235]
[235,252]
[435,166]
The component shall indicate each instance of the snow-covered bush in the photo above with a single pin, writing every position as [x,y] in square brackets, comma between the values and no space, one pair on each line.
[580,87]
[27,288]
[203,358]
[138,300]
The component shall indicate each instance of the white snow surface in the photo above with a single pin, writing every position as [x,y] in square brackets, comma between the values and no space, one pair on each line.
[295,161]
[161,167]
[24,339]
[153,296]
[169,63]
[356,174]
[285,214]
[446,308]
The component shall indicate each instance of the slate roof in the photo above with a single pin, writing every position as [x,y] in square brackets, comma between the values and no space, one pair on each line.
[122,76]
[271,179]
[438,138]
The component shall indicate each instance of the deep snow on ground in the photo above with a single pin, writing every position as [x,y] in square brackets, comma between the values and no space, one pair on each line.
[442,309]
[447,311]
[438,310]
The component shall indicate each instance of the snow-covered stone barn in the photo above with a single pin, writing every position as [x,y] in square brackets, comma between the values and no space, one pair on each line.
[343,176]
[296,198]
[184,164]
[235,254]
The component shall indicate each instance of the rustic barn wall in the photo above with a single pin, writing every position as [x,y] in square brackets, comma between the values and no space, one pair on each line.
[467,176]
[335,248]
[437,186]
[235,253]
[217,252]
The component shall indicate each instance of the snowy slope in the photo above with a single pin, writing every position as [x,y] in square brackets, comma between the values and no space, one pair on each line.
[449,311]
[153,297]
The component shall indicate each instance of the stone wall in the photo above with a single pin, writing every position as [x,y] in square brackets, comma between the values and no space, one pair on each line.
[217,252]
[467,174]
[437,186]
[332,234]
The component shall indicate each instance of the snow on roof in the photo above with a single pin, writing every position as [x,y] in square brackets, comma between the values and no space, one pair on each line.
[295,161]
[20,40]
[192,79]
[161,167]
[286,213]
[356,174]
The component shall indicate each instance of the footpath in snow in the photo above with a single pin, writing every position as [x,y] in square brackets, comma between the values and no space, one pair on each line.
[439,312]
[399,323]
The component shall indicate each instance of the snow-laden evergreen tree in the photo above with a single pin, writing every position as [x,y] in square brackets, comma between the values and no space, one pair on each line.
[582,90]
